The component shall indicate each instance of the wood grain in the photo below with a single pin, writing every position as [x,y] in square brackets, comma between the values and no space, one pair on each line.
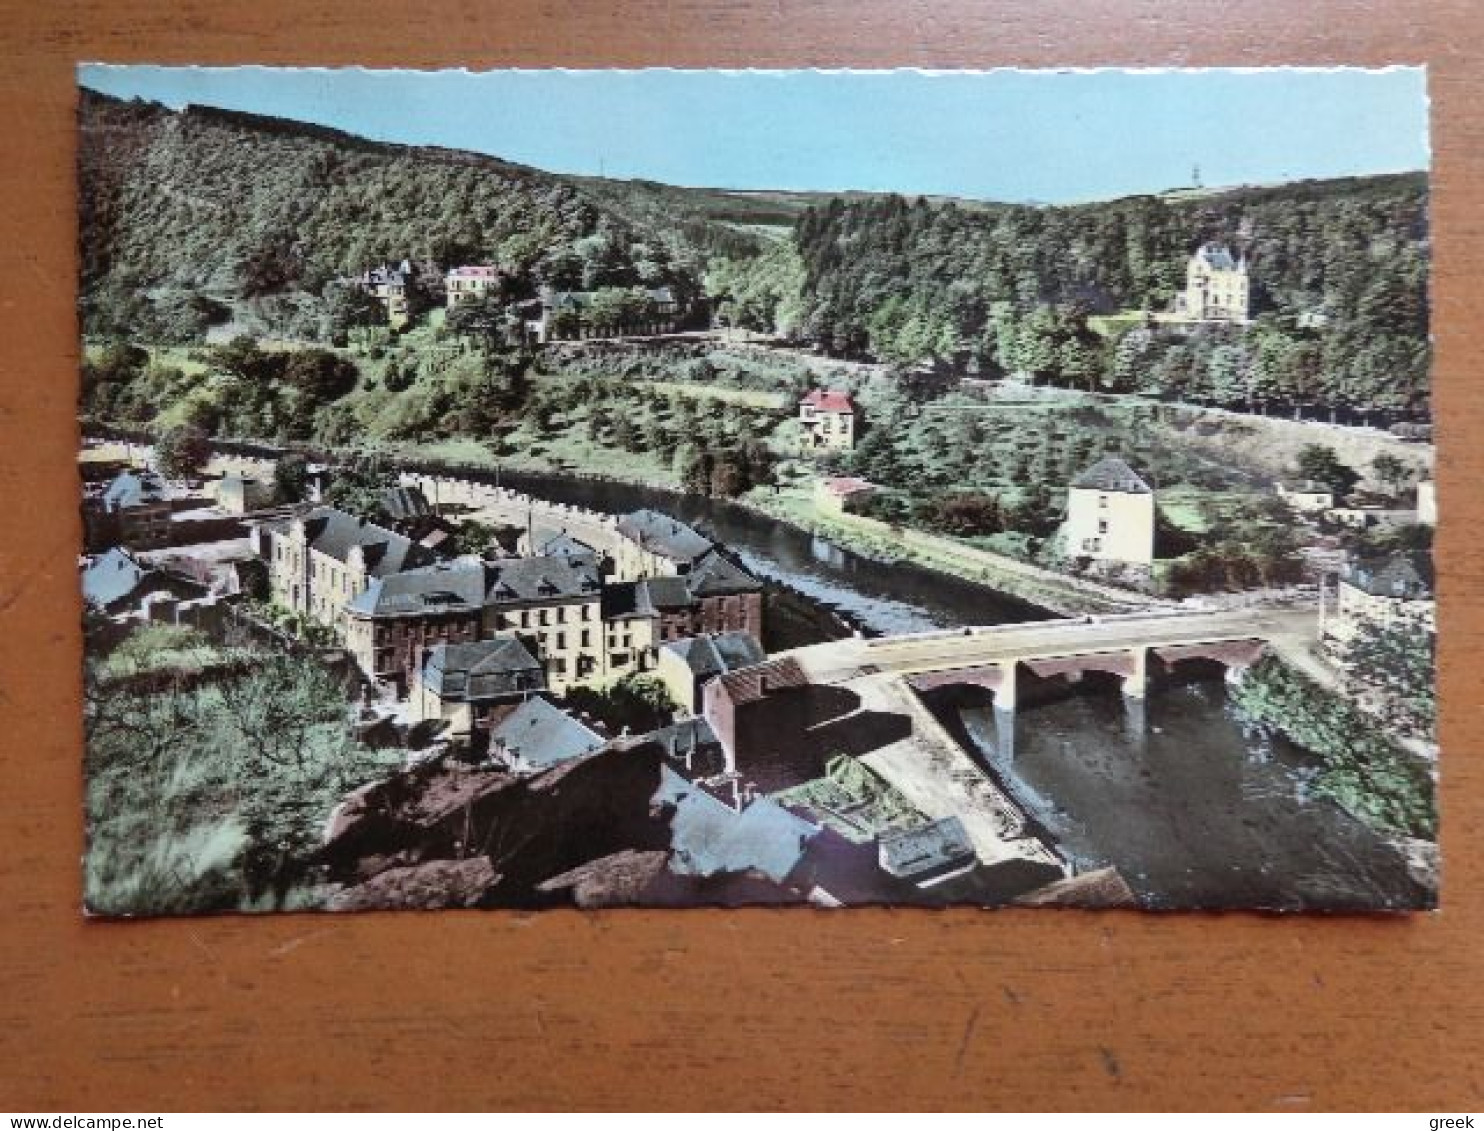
[757,1009]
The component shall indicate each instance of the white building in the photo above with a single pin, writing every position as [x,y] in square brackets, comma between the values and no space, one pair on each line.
[1217,288]
[1385,593]
[1110,515]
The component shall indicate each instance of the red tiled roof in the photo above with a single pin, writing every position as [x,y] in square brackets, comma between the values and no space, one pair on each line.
[748,685]
[847,485]
[828,400]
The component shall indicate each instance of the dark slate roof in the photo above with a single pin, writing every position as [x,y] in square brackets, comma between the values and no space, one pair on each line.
[1111,474]
[694,733]
[1408,576]
[709,838]
[402,503]
[661,593]
[1217,256]
[469,584]
[718,576]
[711,655]
[660,534]
[484,669]
[563,545]
[935,847]
[112,577]
[134,489]
[386,552]
[626,599]
[543,735]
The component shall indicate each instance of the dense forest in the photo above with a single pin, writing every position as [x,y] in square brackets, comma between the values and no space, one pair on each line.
[1339,273]
[186,216]
[196,218]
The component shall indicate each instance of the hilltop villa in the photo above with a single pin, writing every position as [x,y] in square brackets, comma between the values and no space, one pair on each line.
[1216,287]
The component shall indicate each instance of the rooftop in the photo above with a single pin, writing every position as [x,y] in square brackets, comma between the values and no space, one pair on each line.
[844,486]
[542,735]
[1217,256]
[712,655]
[385,552]
[467,584]
[829,400]
[936,847]
[660,534]
[1408,576]
[709,837]
[134,489]
[1111,474]
[753,684]
[479,670]
[402,503]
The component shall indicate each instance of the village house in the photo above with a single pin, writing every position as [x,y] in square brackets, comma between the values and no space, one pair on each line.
[464,684]
[237,494]
[388,285]
[320,561]
[651,544]
[117,584]
[1217,288]
[551,604]
[1110,515]
[470,283]
[537,736]
[1427,502]
[685,665]
[1395,591]
[629,623]
[835,494]
[1307,497]
[827,422]
[134,510]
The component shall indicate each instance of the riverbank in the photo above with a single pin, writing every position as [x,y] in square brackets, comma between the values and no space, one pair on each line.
[890,546]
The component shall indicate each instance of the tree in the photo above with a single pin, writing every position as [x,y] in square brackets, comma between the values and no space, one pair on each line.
[1392,472]
[291,478]
[1396,662]
[182,452]
[1321,464]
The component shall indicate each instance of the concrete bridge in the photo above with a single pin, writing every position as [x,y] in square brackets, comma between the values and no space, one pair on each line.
[1001,660]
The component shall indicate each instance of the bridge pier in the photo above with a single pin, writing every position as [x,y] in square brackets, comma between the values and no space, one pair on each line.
[1004,712]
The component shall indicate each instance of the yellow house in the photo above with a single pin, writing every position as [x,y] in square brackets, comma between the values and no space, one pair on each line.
[1110,515]
[320,561]
[463,684]
[469,284]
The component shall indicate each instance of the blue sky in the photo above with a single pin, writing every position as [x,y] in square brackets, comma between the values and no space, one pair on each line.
[1000,135]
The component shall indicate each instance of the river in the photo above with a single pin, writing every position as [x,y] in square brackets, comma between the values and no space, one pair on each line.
[1194,809]
[875,597]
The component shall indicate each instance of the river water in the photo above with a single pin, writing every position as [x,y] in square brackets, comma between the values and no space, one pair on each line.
[1195,809]
[876,597]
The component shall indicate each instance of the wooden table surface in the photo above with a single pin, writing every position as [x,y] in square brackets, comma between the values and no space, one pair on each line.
[704,1009]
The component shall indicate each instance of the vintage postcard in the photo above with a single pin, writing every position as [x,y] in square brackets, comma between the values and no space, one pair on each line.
[695,488]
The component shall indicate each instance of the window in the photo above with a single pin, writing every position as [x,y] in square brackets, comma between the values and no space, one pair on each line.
[1103,501]
[1102,526]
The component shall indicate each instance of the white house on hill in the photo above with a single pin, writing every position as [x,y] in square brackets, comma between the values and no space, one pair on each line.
[1110,515]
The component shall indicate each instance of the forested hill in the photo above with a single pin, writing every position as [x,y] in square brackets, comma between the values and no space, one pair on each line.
[1339,273]
[183,211]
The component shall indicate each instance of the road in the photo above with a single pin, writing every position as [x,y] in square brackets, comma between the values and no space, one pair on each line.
[1290,630]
